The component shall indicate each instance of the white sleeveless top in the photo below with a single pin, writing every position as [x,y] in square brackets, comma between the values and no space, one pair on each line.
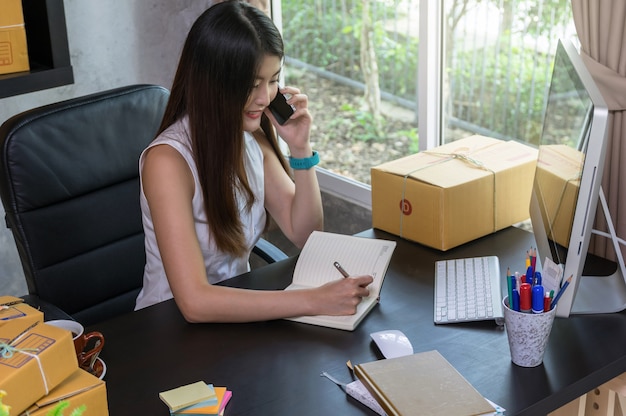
[219,265]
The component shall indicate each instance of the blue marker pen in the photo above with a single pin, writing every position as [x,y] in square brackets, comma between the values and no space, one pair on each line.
[538,278]
[515,303]
[537,296]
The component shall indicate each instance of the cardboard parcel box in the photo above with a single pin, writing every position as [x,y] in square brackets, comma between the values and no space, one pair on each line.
[15,315]
[79,389]
[13,48]
[36,360]
[558,181]
[454,193]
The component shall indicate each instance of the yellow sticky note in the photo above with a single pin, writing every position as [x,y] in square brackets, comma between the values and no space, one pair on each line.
[187,395]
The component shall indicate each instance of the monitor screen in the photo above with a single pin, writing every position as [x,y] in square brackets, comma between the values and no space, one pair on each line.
[567,181]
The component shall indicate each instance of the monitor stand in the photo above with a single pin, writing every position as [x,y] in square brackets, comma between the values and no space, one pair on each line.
[603,294]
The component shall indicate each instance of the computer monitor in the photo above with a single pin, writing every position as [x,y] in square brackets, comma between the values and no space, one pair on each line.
[567,188]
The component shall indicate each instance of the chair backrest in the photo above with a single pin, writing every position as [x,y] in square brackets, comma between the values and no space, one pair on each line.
[69,183]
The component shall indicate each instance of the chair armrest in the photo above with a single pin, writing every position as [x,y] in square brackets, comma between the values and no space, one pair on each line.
[50,311]
[268,251]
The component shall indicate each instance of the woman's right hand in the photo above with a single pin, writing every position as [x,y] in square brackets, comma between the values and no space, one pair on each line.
[342,296]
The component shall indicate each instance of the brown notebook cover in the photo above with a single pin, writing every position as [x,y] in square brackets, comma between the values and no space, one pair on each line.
[423,384]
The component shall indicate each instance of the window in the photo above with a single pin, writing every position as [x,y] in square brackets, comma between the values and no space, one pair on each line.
[373,99]
[498,59]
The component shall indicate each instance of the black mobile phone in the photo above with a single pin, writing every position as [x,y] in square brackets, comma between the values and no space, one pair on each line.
[280,109]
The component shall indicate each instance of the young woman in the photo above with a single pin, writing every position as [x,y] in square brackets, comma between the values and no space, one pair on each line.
[215,169]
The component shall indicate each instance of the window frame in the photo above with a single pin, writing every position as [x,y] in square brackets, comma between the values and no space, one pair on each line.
[429,99]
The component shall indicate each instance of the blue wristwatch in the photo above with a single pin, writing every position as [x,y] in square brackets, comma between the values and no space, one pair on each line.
[304,163]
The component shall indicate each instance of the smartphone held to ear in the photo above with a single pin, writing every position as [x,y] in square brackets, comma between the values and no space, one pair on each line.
[280,109]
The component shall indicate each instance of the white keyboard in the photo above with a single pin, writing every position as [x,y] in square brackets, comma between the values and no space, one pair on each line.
[468,290]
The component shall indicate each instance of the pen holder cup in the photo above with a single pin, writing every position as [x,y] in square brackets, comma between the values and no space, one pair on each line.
[528,334]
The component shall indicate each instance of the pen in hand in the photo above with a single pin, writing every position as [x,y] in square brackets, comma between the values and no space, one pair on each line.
[345,274]
[341,270]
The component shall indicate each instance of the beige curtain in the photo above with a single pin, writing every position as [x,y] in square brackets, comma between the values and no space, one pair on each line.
[601,28]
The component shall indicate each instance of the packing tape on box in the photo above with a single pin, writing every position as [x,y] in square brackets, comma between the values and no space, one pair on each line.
[8,352]
[8,27]
[452,156]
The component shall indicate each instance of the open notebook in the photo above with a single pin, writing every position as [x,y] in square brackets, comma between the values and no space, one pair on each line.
[357,255]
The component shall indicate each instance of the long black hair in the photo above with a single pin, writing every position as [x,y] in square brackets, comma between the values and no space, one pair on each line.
[216,73]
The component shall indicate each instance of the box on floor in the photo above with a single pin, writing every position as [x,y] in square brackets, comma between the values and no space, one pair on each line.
[454,193]
[36,362]
[13,46]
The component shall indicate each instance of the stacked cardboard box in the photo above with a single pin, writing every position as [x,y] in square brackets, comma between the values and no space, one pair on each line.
[454,193]
[79,389]
[13,48]
[38,365]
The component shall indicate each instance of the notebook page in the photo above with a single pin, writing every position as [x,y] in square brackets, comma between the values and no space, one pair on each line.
[357,255]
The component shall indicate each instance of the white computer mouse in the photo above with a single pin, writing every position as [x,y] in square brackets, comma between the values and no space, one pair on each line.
[392,343]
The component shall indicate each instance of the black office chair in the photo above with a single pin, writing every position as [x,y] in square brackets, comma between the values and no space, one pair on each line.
[69,183]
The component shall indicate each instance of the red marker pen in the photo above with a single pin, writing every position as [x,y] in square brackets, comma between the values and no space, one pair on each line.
[546,302]
[525,297]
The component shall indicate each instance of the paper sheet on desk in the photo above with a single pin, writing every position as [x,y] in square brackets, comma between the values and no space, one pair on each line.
[551,277]
[357,390]
[499,410]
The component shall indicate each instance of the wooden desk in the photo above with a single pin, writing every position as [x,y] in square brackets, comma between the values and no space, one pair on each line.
[273,368]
